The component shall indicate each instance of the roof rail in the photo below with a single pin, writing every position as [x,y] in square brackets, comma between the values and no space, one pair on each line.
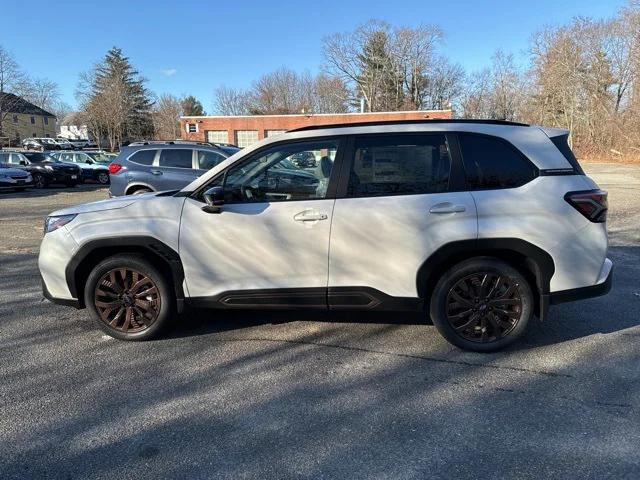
[169,142]
[411,122]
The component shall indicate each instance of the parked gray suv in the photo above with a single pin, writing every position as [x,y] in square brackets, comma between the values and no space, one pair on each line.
[143,167]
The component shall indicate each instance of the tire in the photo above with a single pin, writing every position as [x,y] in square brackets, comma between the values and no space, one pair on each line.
[133,322]
[39,181]
[140,191]
[484,318]
[103,178]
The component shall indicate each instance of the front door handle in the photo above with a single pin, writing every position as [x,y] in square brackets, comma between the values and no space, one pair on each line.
[156,172]
[309,216]
[447,207]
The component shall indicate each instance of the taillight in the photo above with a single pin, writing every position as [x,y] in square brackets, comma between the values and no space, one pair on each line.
[590,203]
[114,168]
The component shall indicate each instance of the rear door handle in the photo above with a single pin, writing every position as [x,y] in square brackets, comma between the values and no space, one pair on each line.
[309,216]
[156,172]
[447,207]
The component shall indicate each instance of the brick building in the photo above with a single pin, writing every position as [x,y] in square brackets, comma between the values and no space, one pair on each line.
[247,129]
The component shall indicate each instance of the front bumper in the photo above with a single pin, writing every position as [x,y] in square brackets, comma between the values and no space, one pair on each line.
[16,183]
[67,302]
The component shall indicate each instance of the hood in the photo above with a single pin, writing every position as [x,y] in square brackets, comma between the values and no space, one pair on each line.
[109,204]
[13,172]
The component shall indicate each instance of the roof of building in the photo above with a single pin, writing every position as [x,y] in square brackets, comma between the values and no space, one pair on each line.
[17,104]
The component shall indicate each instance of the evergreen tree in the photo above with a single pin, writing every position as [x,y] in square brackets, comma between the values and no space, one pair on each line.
[120,99]
[192,107]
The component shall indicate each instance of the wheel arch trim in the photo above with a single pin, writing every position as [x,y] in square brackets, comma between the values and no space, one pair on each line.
[77,269]
[535,259]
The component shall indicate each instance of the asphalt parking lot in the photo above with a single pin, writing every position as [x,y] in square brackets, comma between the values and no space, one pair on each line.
[311,395]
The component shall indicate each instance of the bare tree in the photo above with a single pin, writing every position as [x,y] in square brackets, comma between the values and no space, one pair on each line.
[445,85]
[330,95]
[166,117]
[231,101]
[389,68]
[12,85]
[42,93]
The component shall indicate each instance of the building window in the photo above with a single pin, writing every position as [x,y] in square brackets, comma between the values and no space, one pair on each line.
[33,120]
[192,128]
[46,120]
[15,119]
[217,136]
[271,133]
[244,138]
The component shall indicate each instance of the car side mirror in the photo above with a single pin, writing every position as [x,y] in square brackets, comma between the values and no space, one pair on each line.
[214,197]
[89,162]
[23,162]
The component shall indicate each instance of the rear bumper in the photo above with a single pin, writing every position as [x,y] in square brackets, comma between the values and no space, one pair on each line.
[602,287]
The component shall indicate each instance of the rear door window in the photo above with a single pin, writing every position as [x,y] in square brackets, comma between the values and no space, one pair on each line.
[143,157]
[491,163]
[176,158]
[208,160]
[399,165]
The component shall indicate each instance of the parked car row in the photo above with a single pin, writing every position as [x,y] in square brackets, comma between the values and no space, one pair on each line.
[59,143]
[151,166]
[24,169]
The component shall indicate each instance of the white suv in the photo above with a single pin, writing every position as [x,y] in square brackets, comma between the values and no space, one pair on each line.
[482,224]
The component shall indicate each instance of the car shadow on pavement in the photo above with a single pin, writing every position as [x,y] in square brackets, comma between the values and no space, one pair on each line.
[612,313]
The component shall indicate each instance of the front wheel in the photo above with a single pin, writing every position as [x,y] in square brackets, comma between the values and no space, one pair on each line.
[129,298]
[482,304]
[39,181]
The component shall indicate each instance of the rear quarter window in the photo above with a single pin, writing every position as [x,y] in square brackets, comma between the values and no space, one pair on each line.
[143,157]
[492,163]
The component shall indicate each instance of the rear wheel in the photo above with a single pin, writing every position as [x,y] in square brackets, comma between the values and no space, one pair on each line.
[141,190]
[129,298]
[482,304]
[103,178]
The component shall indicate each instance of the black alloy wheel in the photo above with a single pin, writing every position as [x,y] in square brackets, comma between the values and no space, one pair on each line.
[482,304]
[127,300]
[39,181]
[103,178]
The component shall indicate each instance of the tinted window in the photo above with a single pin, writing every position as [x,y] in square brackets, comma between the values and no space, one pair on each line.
[175,158]
[143,157]
[399,165]
[562,143]
[208,160]
[492,163]
[272,175]
[4,157]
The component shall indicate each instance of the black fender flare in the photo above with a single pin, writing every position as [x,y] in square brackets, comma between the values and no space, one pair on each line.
[146,244]
[538,261]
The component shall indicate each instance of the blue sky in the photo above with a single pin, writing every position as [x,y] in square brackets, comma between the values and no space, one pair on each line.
[193,47]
